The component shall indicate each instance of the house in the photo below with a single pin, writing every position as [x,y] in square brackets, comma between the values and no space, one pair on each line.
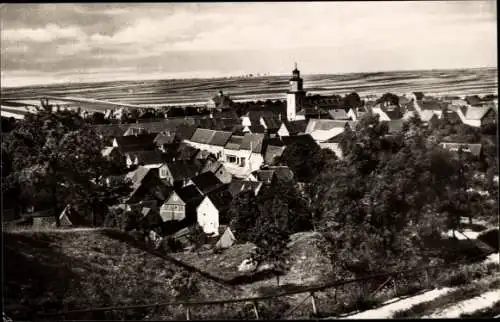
[333,144]
[110,131]
[258,128]
[206,182]
[243,154]
[268,174]
[387,112]
[210,209]
[226,239]
[141,142]
[178,173]
[274,150]
[155,127]
[209,140]
[339,114]
[218,169]
[265,118]
[292,128]
[146,185]
[477,116]
[163,140]
[149,159]
[323,130]
[237,186]
[220,101]
[181,205]
[474,149]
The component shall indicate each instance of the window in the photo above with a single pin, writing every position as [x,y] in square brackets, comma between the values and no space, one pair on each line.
[163,172]
[231,159]
[242,162]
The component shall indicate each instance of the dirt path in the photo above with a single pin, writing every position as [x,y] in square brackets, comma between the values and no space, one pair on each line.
[397,304]
[468,306]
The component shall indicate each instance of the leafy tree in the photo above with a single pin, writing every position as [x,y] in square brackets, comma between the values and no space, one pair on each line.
[352,101]
[244,211]
[57,160]
[393,99]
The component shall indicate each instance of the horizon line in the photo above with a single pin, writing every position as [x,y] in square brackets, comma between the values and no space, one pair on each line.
[254,75]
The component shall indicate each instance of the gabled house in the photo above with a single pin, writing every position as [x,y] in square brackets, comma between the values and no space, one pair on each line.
[218,169]
[265,118]
[149,159]
[146,185]
[135,142]
[163,140]
[243,155]
[323,130]
[181,205]
[227,238]
[210,140]
[206,182]
[477,116]
[110,131]
[387,112]
[339,114]
[237,186]
[292,128]
[178,173]
[212,208]
[333,144]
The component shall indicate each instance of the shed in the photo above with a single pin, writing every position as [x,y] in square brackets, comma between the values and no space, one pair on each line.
[226,239]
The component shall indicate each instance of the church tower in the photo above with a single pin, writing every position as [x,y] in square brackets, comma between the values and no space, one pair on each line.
[295,95]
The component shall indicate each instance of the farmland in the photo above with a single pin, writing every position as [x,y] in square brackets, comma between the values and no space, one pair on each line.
[190,91]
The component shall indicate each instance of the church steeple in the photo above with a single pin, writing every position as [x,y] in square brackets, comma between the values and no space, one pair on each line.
[296,81]
[295,95]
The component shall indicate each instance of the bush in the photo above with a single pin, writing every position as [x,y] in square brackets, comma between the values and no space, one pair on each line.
[171,245]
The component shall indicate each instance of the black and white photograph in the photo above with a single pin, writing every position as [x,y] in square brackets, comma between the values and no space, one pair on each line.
[249,160]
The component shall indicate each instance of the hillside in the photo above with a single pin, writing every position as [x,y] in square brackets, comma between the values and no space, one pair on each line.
[68,270]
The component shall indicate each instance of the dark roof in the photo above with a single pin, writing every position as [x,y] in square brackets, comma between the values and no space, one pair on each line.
[185,132]
[296,127]
[217,123]
[163,138]
[147,157]
[111,130]
[168,125]
[265,176]
[305,138]
[236,186]
[221,197]
[432,105]
[253,142]
[282,172]
[220,138]
[393,112]
[234,142]
[136,142]
[255,115]
[182,170]
[206,182]
[185,152]
[190,195]
[258,128]
[211,137]
[271,121]
[273,152]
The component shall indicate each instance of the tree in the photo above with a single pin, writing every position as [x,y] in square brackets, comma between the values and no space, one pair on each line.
[244,211]
[351,101]
[57,160]
[391,98]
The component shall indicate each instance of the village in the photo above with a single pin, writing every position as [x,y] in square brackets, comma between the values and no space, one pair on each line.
[186,171]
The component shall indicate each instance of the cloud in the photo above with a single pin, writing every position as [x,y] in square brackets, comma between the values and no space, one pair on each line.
[49,33]
[256,37]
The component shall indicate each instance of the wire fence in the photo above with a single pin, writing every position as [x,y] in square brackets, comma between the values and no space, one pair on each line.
[328,299]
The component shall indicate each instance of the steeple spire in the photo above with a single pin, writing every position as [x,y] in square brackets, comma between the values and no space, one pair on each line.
[295,64]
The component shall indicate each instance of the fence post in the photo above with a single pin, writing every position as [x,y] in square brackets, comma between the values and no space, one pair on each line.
[394,283]
[427,281]
[255,311]
[188,313]
[313,302]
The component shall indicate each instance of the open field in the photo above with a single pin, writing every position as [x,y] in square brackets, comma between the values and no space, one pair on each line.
[188,91]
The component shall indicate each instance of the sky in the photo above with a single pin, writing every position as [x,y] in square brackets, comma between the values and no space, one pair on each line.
[54,43]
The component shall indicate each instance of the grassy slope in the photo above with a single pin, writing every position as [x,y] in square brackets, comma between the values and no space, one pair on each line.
[71,270]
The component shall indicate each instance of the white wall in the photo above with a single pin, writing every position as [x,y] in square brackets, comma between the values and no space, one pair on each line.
[208,216]
[291,106]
